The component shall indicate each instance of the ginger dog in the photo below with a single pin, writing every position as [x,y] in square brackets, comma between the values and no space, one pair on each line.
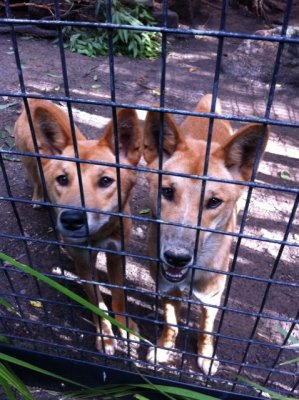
[53,135]
[232,157]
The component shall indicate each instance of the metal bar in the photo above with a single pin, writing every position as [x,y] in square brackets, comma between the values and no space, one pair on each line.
[228,384]
[149,108]
[146,28]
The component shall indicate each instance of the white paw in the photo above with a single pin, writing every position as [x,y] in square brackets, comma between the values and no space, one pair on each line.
[36,206]
[133,327]
[156,355]
[208,367]
[106,345]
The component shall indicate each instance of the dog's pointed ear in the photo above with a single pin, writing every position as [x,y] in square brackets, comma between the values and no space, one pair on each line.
[172,136]
[129,137]
[239,152]
[51,126]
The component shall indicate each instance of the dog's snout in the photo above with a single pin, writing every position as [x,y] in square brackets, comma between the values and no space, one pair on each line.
[72,220]
[177,259]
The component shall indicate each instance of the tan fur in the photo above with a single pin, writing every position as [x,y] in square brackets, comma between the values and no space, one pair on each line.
[53,134]
[232,158]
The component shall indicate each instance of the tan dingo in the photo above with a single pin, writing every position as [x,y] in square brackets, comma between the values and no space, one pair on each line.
[53,135]
[232,158]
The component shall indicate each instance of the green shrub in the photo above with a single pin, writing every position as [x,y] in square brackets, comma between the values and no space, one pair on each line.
[94,41]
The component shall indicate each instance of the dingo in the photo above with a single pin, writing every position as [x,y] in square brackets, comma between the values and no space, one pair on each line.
[231,157]
[53,135]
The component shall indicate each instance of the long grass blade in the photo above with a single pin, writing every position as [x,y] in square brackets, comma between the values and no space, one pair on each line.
[7,389]
[117,391]
[24,364]
[7,305]
[273,395]
[68,293]
[11,379]
[294,360]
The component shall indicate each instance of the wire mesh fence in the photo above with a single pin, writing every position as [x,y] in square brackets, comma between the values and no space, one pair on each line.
[257,317]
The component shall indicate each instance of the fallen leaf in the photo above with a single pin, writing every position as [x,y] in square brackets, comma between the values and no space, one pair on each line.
[156,92]
[95,77]
[55,76]
[144,211]
[9,143]
[36,303]
[26,37]
[57,88]
[193,69]
[285,175]
[3,106]
[10,130]
[96,86]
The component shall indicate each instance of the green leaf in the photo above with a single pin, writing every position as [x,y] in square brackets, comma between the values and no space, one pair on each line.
[273,395]
[9,143]
[27,37]
[3,106]
[10,130]
[9,377]
[176,391]
[144,211]
[140,397]
[7,305]
[4,339]
[285,175]
[54,76]
[68,293]
[284,333]
[24,364]
[294,360]
[7,390]
[126,36]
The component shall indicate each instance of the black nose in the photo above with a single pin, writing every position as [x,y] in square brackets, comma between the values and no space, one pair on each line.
[177,259]
[72,220]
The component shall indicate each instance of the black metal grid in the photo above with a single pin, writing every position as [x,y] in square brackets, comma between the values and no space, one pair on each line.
[40,334]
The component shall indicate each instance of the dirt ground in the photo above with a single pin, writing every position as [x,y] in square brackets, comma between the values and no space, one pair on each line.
[68,330]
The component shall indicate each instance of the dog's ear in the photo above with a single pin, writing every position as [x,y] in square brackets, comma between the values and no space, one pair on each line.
[172,137]
[129,136]
[240,150]
[51,127]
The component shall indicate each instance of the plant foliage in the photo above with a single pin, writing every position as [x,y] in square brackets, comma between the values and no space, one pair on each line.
[95,41]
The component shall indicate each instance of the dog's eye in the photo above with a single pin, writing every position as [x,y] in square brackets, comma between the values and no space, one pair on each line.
[62,180]
[213,202]
[105,181]
[168,193]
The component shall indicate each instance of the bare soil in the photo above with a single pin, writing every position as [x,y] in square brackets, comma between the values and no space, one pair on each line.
[55,326]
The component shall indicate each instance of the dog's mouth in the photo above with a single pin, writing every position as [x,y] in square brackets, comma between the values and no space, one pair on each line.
[77,239]
[174,274]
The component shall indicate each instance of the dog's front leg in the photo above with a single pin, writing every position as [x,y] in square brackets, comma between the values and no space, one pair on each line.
[105,341]
[171,310]
[205,344]
[115,273]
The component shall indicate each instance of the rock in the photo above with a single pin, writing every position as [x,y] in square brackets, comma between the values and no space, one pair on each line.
[186,9]
[255,59]
[172,18]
